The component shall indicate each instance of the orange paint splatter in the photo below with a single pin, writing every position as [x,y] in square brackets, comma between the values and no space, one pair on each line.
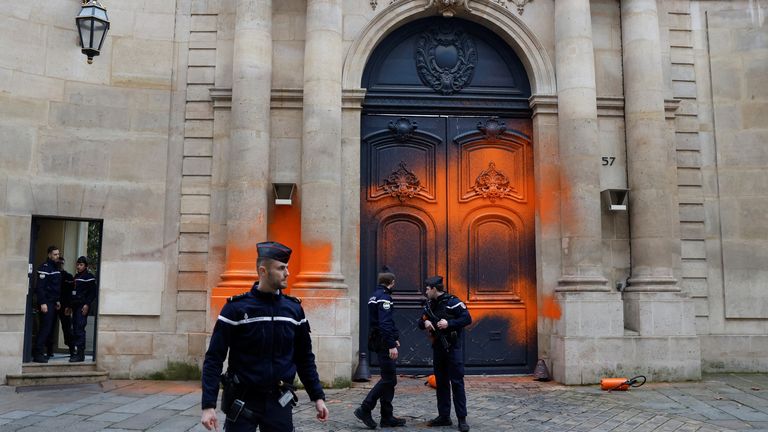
[550,308]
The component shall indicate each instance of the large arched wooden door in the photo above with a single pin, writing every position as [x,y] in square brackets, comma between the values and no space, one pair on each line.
[447,188]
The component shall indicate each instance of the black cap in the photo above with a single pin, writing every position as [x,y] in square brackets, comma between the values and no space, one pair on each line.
[274,250]
[434,281]
[83,260]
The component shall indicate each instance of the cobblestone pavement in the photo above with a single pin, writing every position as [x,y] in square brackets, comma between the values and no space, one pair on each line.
[717,403]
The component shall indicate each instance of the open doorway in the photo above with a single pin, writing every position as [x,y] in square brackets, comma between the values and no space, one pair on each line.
[74,238]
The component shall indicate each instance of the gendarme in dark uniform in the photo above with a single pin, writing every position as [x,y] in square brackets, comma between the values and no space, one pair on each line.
[84,292]
[452,316]
[383,339]
[267,337]
[47,292]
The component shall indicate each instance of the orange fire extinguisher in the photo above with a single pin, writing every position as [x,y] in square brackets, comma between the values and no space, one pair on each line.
[611,384]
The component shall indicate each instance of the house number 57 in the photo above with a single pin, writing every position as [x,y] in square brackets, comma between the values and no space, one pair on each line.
[608,160]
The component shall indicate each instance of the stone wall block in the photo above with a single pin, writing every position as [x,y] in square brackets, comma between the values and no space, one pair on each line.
[191,301]
[191,280]
[193,242]
[334,348]
[193,262]
[142,63]
[201,75]
[23,110]
[195,204]
[196,185]
[198,146]
[125,343]
[202,57]
[194,224]
[343,316]
[317,310]
[204,23]
[170,346]
[199,111]
[187,321]
[197,344]
[198,129]
[196,166]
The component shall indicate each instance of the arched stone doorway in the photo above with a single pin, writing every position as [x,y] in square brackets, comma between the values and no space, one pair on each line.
[447,186]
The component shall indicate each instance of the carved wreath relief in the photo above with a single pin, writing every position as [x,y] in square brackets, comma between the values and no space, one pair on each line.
[492,184]
[402,183]
[446,59]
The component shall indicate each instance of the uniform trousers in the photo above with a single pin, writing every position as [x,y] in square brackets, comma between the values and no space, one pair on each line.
[78,327]
[47,321]
[384,390]
[449,375]
[269,416]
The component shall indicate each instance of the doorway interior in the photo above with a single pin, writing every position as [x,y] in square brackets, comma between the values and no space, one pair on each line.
[74,238]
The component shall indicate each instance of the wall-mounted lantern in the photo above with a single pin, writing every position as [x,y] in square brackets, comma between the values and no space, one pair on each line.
[92,26]
[615,199]
[284,193]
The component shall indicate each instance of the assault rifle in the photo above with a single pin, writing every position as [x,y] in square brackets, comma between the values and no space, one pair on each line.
[436,332]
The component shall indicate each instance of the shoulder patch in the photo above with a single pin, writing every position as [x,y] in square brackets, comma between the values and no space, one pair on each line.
[42,276]
[386,305]
[295,299]
[235,298]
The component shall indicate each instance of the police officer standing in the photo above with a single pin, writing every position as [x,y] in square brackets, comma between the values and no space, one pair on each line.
[84,292]
[47,291]
[446,316]
[267,337]
[383,339]
[65,311]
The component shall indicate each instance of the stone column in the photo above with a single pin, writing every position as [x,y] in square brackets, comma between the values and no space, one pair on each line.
[581,342]
[654,307]
[320,187]
[650,171]
[248,173]
[320,283]
[579,149]
[653,302]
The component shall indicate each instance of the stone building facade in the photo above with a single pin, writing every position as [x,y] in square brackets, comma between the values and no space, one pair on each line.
[174,137]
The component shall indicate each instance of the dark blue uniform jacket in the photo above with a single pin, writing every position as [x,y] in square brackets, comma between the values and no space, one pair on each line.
[267,337]
[380,312]
[453,310]
[85,290]
[48,288]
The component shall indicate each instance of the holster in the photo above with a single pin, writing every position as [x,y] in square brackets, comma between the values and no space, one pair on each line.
[230,391]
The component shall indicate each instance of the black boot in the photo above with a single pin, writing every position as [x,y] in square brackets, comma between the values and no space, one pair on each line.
[463,425]
[72,352]
[392,422]
[365,416]
[39,358]
[440,421]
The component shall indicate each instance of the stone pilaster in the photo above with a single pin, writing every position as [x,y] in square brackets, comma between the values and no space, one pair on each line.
[591,324]
[654,307]
[579,149]
[320,282]
[248,172]
[651,172]
[320,187]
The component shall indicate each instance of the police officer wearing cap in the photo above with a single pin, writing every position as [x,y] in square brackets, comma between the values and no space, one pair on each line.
[267,337]
[445,315]
[383,339]
[47,291]
[83,294]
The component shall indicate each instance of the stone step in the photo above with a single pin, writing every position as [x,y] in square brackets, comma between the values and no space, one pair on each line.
[56,378]
[58,367]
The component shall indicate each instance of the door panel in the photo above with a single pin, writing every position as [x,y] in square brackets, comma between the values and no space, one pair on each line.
[453,196]
[402,218]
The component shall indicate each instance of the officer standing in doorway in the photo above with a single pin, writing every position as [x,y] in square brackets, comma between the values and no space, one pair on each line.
[84,293]
[65,311]
[445,316]
[268,341]
[383,339]
[47,291]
